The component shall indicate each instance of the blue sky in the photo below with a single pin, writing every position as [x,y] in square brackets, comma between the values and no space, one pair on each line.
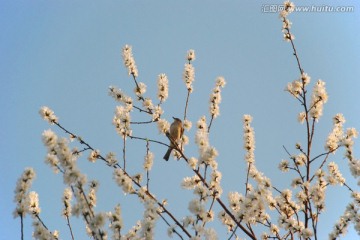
[65,55]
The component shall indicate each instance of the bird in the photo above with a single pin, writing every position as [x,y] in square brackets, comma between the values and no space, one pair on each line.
[175,133]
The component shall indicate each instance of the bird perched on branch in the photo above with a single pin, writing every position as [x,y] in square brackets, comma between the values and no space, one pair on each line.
[175,133]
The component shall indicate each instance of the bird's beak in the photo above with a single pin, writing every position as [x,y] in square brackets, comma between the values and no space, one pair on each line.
[174,118]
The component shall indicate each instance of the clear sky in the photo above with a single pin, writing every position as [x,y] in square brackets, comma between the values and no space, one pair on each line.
[65,55]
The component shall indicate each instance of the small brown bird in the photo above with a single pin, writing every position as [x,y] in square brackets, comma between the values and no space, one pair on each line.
[176,131]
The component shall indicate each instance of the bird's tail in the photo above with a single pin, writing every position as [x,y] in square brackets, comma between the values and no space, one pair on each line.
[167,154]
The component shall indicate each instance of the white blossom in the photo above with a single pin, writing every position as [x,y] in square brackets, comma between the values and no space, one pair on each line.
[96,224]
[305,78]
[197,208]
[295,87]
[49,139]
[215,97]
[284,166]
[33,203]
[289,37]
[48,115]
[318,98]
[201,137]
[121,121]
[149,220]
[189,76]
[116,222]
[148,161]
[111,159]
[249,139]
[163,87]
[21,191]
[148,104]
[335,176]
[123,180]
[193,162]
[187,124]
[53,161]
[301,117]
[92,199]
[226,220]
[140,89]
[157,112]
[190,55]
[67,196]
[129,60]
[163,126]
[41,233]
[190,182]
[94,154]
[289,7]
[119,96]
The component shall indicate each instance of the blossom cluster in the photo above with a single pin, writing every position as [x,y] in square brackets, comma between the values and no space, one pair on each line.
[148,161]
[198,207]
[129,60]
[95,225]
[67,197]
[61,157]
[121,97]
[189,71]
[163,87]
[111,159]
[21,192]
[149,220]
[41,233]
[351,214]
[318,99]
[116,222]
[249,139]
[123,180]
[48,115]
[250,208]
[191,55]
[215,97]
[297,87]
[204,190]
[163,126]
[336,135]
[121,121]
[207,153]
[28,203]
[33,203]
[288,8]
[140,90]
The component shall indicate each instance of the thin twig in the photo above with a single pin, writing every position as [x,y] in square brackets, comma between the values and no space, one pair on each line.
[42,223]
[22,226]
[247,179]
[150,140]
[145,122]
[68,223]
[211,120]
[147,171]
[233,232]
[186,104]
[124,152]
[294,49]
